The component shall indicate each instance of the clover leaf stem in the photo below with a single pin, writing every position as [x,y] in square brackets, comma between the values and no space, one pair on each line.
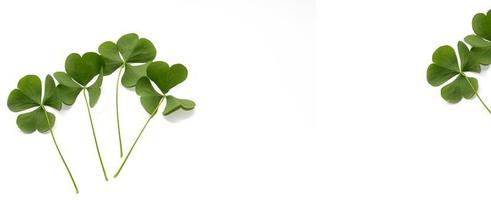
[117,113]
[59,152]
[93,133]
[137,138]
[477,94]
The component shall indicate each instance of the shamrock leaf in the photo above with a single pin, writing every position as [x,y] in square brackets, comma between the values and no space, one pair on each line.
[149,98]
[80,70]
[130,52]
[174,104]
[165,78]
[481,41]
[445,66]
[28,95]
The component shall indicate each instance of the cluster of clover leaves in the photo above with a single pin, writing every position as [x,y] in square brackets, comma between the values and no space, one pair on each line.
[131,54]
[446,65]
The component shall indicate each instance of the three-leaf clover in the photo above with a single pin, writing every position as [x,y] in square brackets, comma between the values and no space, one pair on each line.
[165,78]
[131,54]
[80,70]
[28,95]
[446,66]
[481,41]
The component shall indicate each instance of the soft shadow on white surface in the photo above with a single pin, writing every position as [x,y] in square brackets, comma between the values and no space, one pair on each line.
[179,115]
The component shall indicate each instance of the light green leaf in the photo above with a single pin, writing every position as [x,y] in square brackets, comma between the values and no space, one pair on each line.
[35,120]
[174,104]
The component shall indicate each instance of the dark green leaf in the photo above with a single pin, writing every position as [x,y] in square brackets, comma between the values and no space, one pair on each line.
[458,89]
[481,24]
[68,94]
[51,97]
[132,74]
[174,104]
[85,68]
[483,55]
[149,98]
[18,101]
[136,50]
[35,120]
[476,41]
[164,77]
[145,88]
[437,75]
[110,53]
[445,57]
[64,79]
[30,85]
[467,61]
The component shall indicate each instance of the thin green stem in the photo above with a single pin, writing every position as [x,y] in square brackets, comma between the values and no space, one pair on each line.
[93,133]
[475,91]
[59,152]
[117,113]
[136,140]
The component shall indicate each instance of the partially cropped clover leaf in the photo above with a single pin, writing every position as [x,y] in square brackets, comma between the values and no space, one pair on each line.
[28,95]
[80,70]
[165,78]
[481,41]
[445,66]
[132,55]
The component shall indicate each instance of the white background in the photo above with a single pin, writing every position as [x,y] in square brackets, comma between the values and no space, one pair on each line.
[252,135]
[389,133]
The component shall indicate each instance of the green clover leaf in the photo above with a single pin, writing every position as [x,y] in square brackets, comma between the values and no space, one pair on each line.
[174,104]
[165,78]
[131,53]
[80,70]
[481,41]
[28,95]
[445,66]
